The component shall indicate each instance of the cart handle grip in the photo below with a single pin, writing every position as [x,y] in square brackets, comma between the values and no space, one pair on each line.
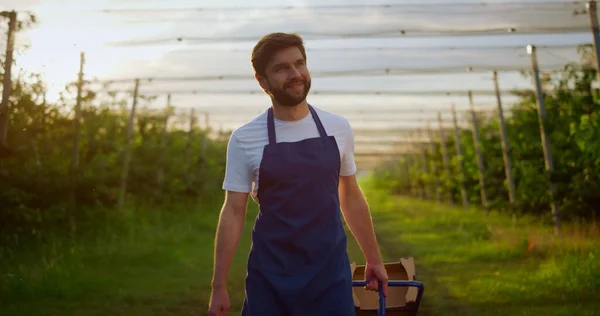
[394,283]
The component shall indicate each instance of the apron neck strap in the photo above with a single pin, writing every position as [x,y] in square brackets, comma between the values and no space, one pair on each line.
[317,121]
[271,124]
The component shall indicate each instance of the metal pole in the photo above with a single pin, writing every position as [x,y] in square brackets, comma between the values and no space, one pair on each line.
[479,155]
[127,160]
[531,50]
[461,159]
[505,144]
[593,14]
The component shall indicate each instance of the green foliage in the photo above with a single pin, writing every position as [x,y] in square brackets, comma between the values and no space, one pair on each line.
[23,22]
[39,188]
[580,273]
[573,129]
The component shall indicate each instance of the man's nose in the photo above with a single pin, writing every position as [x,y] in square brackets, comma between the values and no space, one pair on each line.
[295,73]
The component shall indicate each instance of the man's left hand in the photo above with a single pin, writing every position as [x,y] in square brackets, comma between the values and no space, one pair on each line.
[376,273]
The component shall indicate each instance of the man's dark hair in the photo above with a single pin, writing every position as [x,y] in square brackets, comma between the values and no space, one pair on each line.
[269,44]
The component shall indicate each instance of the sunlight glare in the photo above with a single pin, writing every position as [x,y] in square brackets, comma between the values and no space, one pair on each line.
[60,36]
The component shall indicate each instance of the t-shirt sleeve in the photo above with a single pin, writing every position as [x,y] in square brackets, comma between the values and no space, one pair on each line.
[348,165]
[238,177]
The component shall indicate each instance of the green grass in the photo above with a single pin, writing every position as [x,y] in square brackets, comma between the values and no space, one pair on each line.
[153,262]
[145,262]
[159,262]
[473,264]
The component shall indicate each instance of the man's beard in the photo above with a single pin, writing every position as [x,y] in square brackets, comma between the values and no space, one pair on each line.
[284,98]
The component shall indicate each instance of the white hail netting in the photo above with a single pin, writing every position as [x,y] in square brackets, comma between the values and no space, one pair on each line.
[235,98]
[323,21]
[399,61]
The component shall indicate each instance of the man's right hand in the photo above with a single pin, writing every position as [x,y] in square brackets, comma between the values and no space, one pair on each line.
[229,232]
[219,303]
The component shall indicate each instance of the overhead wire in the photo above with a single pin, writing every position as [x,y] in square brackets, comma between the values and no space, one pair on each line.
[333,74]
[381,34]
[540,4]
[316,14]
[363,120]
[522,17]
[331,92]
[392,49]
[413,113]
[348,109]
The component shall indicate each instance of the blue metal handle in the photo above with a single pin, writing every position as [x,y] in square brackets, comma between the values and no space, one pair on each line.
[381,310]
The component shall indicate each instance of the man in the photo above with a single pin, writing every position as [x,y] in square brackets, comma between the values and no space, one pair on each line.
[297,163]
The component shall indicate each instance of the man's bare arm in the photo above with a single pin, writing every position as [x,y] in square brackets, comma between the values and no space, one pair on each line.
[357,216]
[229,231]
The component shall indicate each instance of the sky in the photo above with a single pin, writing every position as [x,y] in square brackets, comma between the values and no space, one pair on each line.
[67,27]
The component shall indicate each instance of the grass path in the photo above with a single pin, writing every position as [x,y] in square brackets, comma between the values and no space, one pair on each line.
[159,262]
[477,265]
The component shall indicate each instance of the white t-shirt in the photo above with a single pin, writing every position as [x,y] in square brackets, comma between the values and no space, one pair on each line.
[246,144]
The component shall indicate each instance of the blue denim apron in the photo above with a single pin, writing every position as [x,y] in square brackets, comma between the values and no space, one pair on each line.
[298,264]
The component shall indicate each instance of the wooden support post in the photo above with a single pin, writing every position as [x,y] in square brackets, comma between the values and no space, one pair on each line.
[434,173]
[74,177]
[479,154]
[461,159]
[206,138]
[531,50]
[426,172]
[414,182]
[416,165]
[445,159]
[190,136]
[593,15]
[77,120]
[505,145]
[127,157]
[190,172]
[420,159]
[406,167]
[163,147]
[7,80]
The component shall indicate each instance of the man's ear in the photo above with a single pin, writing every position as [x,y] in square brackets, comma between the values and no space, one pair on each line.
[262,81]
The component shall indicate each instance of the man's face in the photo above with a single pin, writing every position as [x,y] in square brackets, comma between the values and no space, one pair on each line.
[287,78]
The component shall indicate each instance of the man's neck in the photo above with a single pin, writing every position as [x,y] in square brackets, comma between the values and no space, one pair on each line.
[290,113]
